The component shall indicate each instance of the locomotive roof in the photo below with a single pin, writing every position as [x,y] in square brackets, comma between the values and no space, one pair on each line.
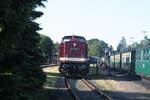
[73,36]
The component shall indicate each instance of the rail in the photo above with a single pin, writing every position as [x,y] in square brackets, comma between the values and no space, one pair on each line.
[47,65]
[74,96]
[98,91]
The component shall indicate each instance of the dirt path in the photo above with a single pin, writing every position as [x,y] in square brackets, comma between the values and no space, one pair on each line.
[122,87]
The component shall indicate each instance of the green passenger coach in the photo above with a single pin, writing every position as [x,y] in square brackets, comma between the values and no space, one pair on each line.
[128,61]
[142,64]
[118,61]
[112,60]
[124,61]
[135,61]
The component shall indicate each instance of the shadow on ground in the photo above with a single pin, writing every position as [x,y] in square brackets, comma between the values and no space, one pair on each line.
[114,74]
[52,74]
[63,94]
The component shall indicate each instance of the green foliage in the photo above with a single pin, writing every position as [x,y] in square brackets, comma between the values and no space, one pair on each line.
[93,47]
[144,42]
[96,47]
[111,49]
[19,52]
[56,48]
[103,48]
[46,45]
[122,46]
[134,45]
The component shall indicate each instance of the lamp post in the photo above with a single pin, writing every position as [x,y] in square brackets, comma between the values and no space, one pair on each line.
[144,33]
[131,39]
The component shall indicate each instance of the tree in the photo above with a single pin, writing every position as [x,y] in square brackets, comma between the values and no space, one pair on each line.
[96,47]
[20,58]
[93,47]
[56,48]
[46,45]
[111,49]
[122,46]
[134,45]
[103,48]
[144,42]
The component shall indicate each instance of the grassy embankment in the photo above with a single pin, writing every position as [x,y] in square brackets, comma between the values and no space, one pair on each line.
[52,74]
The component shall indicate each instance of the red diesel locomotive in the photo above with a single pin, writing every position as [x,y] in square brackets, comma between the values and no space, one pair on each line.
[73,56]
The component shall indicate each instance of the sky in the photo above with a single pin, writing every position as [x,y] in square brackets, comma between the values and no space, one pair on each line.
[106,20]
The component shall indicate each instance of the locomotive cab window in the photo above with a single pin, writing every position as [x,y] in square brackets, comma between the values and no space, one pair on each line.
[81,39]
[67,39]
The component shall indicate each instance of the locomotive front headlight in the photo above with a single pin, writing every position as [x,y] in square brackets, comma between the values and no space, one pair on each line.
[82,59]
[74,44]
[66,59]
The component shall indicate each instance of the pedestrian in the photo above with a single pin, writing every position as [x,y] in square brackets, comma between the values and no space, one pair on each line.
[103,67]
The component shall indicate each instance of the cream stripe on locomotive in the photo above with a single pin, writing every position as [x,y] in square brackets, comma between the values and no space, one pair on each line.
[73,59]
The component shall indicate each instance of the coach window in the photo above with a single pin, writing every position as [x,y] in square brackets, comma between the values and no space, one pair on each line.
[127,60]
[147,54]
[140,55]
[123,60]
[137,55]
[144,56]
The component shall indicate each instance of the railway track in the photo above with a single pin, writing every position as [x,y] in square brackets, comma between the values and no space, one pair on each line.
[75,96]
[47,65]
[98,91]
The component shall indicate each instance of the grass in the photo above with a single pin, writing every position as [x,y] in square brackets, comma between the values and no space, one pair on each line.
[42,95]
[52,74]
[47,92]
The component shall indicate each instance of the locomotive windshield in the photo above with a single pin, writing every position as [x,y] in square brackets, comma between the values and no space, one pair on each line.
[69,38]
[65,39]
[81,39]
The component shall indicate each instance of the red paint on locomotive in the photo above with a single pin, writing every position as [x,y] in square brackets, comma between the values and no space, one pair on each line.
[73,56]
[73,49]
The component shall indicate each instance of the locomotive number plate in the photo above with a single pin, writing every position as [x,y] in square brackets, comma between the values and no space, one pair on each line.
[74,49]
